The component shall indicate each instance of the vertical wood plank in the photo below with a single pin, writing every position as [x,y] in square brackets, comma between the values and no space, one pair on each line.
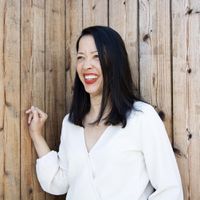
[55,73]
[73,29]
[155,58]
[95,12]
[32,89]
[10,117]
[186,92]
[2,102]
[123,17]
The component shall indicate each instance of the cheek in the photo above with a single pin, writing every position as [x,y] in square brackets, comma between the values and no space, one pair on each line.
[78,70]
[98,67]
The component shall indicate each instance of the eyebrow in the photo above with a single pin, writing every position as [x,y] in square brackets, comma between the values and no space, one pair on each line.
[90,52]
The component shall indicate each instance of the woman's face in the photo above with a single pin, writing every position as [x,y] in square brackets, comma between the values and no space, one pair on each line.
[88,66]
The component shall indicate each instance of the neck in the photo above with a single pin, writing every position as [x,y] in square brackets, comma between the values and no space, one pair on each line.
[95,104]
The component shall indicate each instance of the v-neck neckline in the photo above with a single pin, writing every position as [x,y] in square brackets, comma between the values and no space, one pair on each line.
[99,140]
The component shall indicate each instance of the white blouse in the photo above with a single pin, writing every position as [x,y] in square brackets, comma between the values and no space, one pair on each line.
[131,163]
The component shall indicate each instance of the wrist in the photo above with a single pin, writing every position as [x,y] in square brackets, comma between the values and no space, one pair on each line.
[36,137]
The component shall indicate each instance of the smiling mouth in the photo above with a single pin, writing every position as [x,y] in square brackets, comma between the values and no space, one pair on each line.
[90,78]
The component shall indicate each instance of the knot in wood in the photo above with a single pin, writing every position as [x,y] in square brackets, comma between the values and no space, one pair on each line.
[189,70]
[93,7]
[189,135]
[188,11]
[162,115]
[146,37]
[30,191]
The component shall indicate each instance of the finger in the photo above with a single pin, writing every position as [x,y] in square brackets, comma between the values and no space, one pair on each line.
[28,111]
[30,118]
[41,113]
[35,113]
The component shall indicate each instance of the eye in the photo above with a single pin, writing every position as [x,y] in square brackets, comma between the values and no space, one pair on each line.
[80,58]
[96,57]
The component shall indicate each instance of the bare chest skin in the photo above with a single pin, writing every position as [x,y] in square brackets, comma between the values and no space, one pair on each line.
[92,134]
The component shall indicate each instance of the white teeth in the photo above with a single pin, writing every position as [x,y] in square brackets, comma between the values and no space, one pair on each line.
[90,77]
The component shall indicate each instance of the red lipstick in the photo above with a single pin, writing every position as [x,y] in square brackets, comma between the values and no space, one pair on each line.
[90,78]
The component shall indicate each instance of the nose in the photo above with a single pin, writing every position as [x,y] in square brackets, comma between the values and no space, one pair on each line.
[87,64]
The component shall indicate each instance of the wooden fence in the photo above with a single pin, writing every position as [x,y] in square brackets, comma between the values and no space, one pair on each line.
[37,66]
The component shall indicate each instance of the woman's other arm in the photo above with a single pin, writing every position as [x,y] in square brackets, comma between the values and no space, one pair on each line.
[159,158]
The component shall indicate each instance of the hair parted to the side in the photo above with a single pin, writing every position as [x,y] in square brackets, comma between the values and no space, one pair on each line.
[118,88]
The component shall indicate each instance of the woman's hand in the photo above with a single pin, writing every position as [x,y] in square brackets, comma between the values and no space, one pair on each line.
[36,121]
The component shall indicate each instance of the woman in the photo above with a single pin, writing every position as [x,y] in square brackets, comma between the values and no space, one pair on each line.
[113,146]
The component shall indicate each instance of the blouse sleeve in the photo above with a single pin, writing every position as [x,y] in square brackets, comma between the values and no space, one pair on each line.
[159,158]
[52,168]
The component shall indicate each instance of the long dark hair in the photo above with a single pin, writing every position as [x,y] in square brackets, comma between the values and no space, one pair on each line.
[118,88]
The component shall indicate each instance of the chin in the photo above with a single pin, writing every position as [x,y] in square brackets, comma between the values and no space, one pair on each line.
[94,92]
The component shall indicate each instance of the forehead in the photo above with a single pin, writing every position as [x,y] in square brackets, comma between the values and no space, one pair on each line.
[87,44]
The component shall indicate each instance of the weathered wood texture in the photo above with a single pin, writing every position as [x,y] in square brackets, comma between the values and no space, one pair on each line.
[32,89]
[54,72]
[154,52]
[95,12]
[38,65]
[186,92]
[2,5]
[74,25]
[10,100]
[125,22]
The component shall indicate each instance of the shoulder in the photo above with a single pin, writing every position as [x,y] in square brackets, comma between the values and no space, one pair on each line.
[148,117]
[140,105]
[144,113]
[65,119]
[66,122]
[143,109]
[68,128]
[150,124]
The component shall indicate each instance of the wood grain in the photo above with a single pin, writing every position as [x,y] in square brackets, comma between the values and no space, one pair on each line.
[155,57]
[10,117]
[74,24]
[2,97]
[125,22]
[32,89]
[95,12]
[54,73]
[186,92]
